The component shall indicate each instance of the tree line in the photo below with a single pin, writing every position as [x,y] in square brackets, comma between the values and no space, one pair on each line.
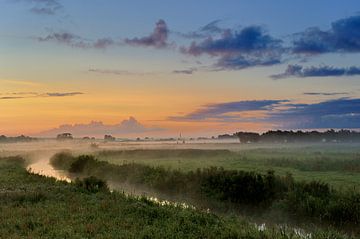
[279,136]
[21,138]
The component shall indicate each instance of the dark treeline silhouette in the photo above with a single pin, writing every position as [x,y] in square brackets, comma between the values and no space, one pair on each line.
[21,138]
[279,136]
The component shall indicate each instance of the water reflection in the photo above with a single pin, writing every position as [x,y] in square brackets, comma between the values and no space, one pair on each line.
[42,167]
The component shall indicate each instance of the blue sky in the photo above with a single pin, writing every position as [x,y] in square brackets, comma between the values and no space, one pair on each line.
[201,67]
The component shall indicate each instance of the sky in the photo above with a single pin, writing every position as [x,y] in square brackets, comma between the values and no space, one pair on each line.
[160,68]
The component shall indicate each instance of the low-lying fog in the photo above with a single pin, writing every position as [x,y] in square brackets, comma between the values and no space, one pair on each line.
[38,153]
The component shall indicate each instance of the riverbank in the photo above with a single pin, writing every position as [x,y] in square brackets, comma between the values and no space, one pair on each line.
[34,206]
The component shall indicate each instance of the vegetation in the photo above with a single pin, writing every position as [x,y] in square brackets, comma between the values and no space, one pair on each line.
[335,164]
[21,138]
[34,206]
[279,136]
[64,136]
[309,199]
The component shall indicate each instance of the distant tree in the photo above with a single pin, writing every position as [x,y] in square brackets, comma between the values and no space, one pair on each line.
[64,136]
[21,138]
[227,136]
[109,138]
[248,137]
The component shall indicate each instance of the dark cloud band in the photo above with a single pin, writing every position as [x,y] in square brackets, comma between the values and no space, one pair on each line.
[319,71]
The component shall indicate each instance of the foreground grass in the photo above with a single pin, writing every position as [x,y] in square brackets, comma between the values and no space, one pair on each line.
[33,206]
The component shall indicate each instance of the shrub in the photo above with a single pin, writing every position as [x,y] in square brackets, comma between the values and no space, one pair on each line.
[92,184]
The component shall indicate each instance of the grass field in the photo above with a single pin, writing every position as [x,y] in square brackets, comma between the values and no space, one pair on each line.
[33,206]
[338,165]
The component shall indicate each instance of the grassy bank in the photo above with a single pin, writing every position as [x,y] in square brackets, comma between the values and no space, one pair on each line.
[314,199]
[33,206]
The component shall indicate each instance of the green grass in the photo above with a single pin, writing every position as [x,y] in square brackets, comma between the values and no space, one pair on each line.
[33,206]
[216,187]
[338,165]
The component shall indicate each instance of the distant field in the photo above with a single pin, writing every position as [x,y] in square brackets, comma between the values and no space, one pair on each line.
[336,164]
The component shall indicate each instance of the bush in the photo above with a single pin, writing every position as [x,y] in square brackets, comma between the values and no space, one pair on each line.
[80,163]
[92,184]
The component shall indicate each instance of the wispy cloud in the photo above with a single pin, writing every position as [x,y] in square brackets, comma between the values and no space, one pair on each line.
[10,97]
[44,7]
[189,71]
[61,94]
[317,71]
[23,95]
[73,40]
[158,38]
[120,72]
[325,93]
[205,31]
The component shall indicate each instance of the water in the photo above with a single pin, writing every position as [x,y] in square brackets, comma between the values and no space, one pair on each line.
[43,167]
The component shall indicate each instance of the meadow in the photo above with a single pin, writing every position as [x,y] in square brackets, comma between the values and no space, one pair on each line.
[314,187]
[336,164]
[34,206]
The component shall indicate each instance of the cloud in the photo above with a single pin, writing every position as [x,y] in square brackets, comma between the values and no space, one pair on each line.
[212,27]
[343,37]
[23,95]
[97,128]
[65,38]
[241,62]
[158,38]
[10,97]
[72,40]
[221,111]
[120,72]
[45,7]
[189,71]
[320,71]
[204,31]
[336,113]
[325,93]
[61,94]
[103,43]
[111,72]
[251,46]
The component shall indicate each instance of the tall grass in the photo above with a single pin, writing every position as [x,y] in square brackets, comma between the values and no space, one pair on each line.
[308,199]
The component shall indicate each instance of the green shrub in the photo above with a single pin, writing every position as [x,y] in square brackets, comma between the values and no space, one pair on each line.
[92,184]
